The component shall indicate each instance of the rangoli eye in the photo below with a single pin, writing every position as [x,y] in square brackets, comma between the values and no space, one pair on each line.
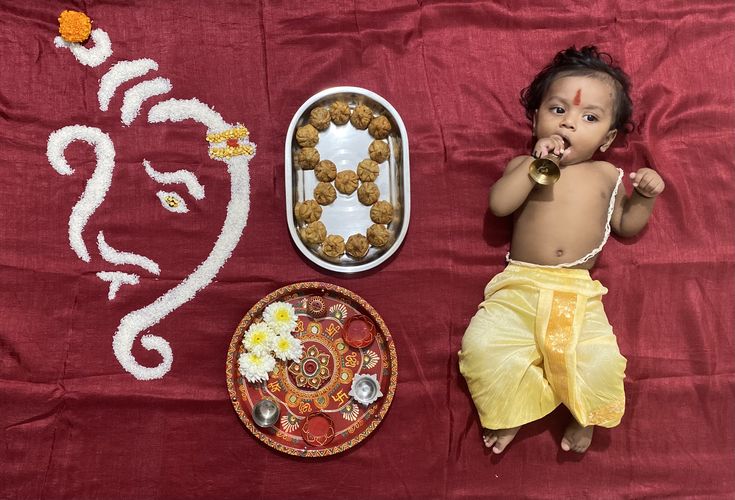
[172,202]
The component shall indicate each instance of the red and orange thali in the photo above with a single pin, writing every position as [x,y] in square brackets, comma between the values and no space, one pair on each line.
[344,340]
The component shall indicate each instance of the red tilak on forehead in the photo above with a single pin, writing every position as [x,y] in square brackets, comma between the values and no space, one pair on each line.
[578,97]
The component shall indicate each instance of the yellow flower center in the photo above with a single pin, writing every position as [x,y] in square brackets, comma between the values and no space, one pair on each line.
[282,315]
[282,344]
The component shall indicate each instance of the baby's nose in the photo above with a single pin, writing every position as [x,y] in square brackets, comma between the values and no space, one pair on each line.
[568,122]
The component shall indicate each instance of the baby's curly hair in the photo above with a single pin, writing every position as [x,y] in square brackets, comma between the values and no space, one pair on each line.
[587,61]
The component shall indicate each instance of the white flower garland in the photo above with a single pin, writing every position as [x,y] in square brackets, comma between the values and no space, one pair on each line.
[93,56]
[270,338]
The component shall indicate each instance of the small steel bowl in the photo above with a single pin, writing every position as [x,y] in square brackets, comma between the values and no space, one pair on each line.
[365,389]
[265,413]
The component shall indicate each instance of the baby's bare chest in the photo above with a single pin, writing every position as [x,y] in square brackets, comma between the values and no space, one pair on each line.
[569,203]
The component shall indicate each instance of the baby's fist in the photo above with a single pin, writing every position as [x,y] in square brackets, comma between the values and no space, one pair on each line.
[647,182]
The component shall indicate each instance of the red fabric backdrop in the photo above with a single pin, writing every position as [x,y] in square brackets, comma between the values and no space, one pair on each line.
[74,424]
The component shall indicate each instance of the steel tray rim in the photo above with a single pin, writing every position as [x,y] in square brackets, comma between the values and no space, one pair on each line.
[405,171]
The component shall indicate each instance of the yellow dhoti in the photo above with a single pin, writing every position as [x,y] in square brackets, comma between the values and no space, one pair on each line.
[539,339]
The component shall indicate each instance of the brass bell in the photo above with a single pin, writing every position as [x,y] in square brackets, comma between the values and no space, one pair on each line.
[545,171]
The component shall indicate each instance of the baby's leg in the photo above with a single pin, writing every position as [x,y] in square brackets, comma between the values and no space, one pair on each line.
[577,437]
[498,439]
[503,367]
[600,399]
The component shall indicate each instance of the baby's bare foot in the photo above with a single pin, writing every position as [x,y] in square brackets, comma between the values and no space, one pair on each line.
[577,438]
[498,439]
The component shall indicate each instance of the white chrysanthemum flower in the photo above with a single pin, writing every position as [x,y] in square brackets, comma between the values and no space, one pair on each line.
[258,339]
[255,368]
[281,317]
[287,348]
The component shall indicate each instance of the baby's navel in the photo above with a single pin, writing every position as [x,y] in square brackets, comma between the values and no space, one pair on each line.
[559,253]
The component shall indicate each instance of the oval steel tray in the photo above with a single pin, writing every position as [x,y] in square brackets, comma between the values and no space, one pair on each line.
[346,146]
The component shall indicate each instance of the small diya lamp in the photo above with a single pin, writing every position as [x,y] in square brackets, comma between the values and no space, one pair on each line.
[265,413]
[365,389]
[318,429]
[358,331]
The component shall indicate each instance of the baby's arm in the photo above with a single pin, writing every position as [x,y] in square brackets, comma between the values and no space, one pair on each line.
[511,190]
[631,213]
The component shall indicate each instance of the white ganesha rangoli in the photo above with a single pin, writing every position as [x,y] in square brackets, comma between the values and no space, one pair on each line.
[228,143]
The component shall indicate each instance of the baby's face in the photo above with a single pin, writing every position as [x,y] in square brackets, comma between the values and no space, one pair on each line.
[580,109]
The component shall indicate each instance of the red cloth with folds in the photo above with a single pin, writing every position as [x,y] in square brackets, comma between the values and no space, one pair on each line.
[74,424]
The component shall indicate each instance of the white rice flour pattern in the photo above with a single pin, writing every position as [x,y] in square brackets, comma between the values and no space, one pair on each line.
[228,143]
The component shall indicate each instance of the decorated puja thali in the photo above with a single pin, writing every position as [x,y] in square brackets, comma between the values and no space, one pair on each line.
[311,369]
[347,179]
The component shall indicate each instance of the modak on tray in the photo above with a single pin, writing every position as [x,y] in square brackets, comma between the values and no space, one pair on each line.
[340,112]
[333,246]
[357,246]
[377,235]
[368,193]
[324,193]
[381,212]
[307,158]
[314,233]
[368,170]
[378,151]
[379,127]
[308,211]
[361,117]
[346,181]
[319,118]
[325,171]
[307,136]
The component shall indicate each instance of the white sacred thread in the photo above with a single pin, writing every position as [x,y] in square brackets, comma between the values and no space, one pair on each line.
[116,280]
[93,56]
[97,185]
[196,190]
[119,73]
[135,322]
[119,258]
[136,95]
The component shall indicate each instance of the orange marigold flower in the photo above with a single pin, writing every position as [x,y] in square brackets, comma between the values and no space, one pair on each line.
[74,26]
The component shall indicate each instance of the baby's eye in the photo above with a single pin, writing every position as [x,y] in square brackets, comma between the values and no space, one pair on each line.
[172,202]
[589,118]
[557,110]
